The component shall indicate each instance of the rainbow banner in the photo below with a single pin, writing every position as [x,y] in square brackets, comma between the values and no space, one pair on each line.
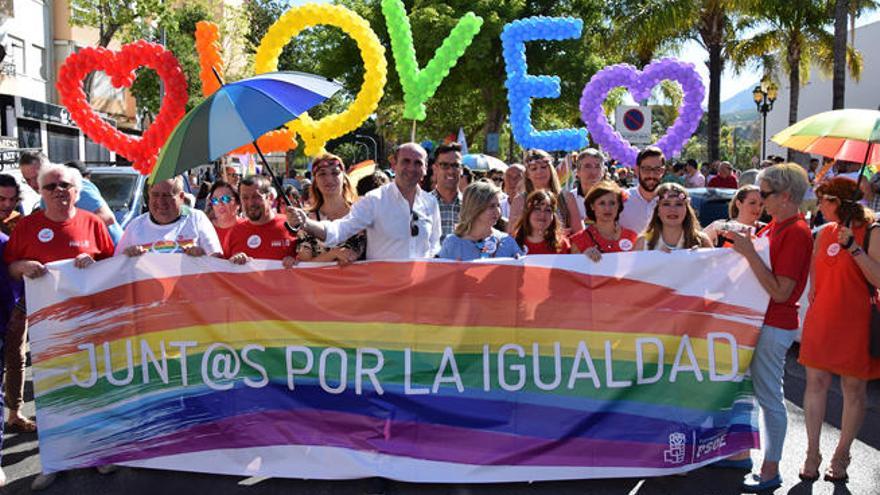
[548,367]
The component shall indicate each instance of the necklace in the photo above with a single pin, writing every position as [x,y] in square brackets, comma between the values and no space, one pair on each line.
[667,245]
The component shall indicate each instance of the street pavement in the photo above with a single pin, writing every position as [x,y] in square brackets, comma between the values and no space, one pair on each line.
[21,463]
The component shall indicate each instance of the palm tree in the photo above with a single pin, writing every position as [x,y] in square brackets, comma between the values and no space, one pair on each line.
[646,27]
[790,37]
[845,10]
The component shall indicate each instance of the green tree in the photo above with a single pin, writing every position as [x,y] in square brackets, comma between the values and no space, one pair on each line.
[790,37]
[645,27]
[843,11]
[113,18]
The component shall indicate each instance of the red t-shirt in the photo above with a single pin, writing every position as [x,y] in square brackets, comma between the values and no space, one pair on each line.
[40,239]
[223,234]
[791,247]
[590,237]
[542,248]
[728,182]
[270,241]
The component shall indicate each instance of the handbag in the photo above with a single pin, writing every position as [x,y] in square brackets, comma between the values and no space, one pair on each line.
[874,328]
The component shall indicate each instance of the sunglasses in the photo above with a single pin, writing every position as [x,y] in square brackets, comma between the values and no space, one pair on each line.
[225,199]
[413,226]
[64,186]
[767,194]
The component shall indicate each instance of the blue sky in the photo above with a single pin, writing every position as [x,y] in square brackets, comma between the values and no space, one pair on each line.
[731,83]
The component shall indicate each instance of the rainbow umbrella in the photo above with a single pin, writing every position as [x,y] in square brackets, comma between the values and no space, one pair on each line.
[237,114]
[851,135]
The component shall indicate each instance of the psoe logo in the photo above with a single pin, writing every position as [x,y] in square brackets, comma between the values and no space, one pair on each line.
[711,445]
[254,241]
[677,448]
[45,235]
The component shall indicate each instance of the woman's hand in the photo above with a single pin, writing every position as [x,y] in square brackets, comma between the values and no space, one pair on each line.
[83,260]
[344,256]
[845,237]
[594,254]
[742,244]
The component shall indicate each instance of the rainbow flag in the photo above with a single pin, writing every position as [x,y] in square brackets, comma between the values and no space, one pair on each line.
[548,367]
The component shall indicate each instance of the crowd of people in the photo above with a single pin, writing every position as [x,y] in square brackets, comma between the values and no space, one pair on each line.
[429,208]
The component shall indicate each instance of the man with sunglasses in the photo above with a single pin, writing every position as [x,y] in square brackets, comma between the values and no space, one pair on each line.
[638,207]
[169,226]
[447,172]
[402,220]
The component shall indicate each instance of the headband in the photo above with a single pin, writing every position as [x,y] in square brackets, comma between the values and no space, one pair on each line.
[673,194]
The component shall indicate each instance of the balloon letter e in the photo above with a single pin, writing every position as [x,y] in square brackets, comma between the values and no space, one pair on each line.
[521,87]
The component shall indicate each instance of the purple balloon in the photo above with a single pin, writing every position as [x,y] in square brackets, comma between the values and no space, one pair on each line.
[639,84]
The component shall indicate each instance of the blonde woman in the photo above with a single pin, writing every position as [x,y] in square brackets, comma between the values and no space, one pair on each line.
[474,236]
[744,211]
[674,224]
[332,196]
[541,176]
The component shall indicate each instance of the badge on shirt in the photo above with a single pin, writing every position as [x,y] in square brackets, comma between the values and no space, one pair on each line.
[833,249]
[625,245]
[254,241]
[46,235]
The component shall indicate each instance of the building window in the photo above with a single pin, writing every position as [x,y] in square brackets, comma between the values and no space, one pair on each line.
[29,134]
[16,51]
[63,144]
[95,152]
[38,62]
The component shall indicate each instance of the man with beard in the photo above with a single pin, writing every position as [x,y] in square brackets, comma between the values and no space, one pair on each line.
[170,226]
[402,220]
[447,172]
[641,199]
[264,236]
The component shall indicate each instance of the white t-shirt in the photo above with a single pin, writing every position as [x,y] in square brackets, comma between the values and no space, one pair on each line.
[582,208]
[193,228]
[637,211]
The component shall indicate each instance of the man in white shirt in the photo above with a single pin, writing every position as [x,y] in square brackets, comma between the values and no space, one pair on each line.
[641,199]
[169,226]
[402,220]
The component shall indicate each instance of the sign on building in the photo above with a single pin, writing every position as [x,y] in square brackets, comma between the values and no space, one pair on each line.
[634,123]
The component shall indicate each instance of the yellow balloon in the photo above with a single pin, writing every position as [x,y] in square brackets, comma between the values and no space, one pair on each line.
[288,26]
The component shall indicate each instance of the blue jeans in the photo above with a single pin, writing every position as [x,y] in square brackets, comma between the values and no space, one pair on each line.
[767,370]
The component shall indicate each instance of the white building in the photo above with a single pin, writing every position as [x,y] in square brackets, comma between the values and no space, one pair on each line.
[815,96]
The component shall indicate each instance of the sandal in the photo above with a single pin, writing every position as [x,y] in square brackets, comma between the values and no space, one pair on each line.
[21,425]
[810,471]
[836,472]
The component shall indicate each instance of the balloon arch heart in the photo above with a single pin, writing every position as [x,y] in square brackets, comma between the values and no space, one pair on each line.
[418,84]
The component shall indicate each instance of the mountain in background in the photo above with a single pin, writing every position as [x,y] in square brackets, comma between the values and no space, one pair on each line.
[739,107]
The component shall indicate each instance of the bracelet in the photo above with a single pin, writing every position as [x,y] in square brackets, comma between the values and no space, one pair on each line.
[856,252]
[849,243]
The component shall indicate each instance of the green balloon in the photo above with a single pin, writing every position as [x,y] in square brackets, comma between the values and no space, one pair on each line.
[420,85]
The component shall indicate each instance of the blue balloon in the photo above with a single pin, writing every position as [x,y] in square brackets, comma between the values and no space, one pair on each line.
[522,87]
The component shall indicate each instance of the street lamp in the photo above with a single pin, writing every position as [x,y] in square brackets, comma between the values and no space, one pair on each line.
[765,95]
[375,146]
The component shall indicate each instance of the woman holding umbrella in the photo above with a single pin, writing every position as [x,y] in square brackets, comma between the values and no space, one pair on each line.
[845,269]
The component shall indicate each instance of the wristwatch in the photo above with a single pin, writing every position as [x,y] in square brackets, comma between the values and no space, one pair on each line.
[856,252]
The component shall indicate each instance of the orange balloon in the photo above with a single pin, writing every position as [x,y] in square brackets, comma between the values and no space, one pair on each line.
[208,48]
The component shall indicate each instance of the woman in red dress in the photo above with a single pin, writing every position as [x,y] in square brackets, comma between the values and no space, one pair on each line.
[603,203]
[835,342]
[538,230]
[226,209]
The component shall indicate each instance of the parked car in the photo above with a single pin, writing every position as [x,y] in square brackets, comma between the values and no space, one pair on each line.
[123,189]
[711,203]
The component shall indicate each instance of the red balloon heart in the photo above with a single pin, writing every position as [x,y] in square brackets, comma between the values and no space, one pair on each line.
[120,66]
